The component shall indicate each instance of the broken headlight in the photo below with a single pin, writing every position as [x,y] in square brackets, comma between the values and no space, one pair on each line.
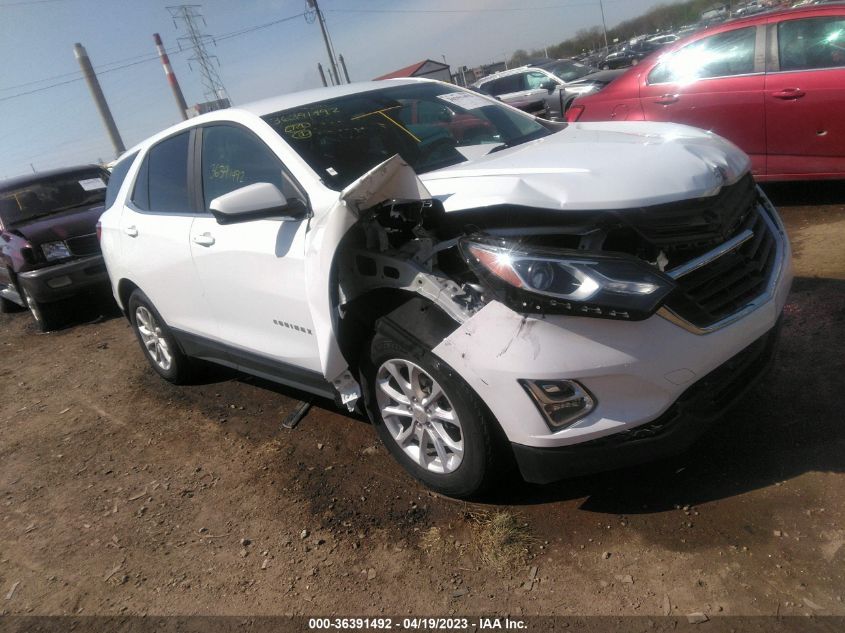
[562,281]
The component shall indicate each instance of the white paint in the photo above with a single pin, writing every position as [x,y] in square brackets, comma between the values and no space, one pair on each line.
[623,364]
[595,166]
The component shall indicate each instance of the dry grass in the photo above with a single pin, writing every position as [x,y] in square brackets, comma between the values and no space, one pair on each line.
[432,540]
[503,539]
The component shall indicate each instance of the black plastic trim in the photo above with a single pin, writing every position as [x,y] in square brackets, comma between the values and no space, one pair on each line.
[254,364]
[418,322]
[85,273]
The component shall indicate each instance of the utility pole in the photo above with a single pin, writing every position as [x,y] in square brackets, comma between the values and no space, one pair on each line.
[99,99]
[171,77]
[333,70]
[343,65]
[603,23]
[190,16]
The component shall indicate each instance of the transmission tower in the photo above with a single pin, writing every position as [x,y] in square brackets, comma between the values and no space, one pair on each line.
[189,15]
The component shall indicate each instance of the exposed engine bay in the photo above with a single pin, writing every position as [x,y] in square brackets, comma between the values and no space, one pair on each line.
[614,265]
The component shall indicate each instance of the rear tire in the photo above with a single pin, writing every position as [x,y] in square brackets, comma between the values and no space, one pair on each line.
[157,341]
[449,443]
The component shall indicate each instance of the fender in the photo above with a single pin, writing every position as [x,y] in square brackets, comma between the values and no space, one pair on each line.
[393,179]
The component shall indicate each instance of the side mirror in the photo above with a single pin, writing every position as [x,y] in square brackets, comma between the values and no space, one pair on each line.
[550,85]
[258,201]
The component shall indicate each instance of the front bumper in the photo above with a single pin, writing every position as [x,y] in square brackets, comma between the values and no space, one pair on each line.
[670,434]
[638,372]
[61,281]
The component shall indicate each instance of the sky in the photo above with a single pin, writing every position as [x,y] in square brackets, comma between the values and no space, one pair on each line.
[48,117]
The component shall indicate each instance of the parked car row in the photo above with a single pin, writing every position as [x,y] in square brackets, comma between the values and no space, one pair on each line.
[488,286]
[773,83]
[634,51]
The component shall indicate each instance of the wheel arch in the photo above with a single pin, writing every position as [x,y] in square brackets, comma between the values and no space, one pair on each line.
[368,312]
[125,288]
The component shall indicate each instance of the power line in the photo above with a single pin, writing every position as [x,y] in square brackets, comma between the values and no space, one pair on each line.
[70,81]
[488,10]
[23,3]
[102,68]
[251,29]
[141,59]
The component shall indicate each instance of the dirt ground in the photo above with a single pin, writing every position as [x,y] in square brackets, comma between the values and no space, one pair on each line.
[121,494]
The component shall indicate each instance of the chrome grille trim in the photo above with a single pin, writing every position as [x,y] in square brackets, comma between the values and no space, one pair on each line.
[711,256]
[751,306]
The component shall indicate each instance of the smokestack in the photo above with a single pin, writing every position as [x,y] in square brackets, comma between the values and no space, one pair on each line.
[99,99]
[322,74]
[171,77]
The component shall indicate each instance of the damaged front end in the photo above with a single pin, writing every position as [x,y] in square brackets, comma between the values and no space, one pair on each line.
[387,240]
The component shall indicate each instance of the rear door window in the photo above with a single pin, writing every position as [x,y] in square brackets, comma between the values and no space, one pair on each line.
[118,175]
[508,84]
[722,55]
[812,44]
[162,183]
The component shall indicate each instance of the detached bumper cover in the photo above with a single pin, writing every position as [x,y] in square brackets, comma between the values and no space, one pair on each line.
[60,281]
[670,434]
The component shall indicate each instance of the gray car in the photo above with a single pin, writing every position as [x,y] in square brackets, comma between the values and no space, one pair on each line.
[525,83]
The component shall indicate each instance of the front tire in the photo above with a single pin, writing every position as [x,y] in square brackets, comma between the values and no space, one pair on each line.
[160,347]
[45,314]
[429,419]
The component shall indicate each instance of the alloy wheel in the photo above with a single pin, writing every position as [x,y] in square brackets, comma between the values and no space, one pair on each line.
[153,338]
[419,416]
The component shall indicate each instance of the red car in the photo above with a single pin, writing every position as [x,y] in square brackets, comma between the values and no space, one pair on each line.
[774,84]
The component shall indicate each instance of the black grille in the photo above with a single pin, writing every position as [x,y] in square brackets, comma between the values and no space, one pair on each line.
[687,229]
[83,245]
[683,231]
[729,283]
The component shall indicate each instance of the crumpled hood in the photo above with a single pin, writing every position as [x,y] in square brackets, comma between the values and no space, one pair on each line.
[594,166]
[61,226]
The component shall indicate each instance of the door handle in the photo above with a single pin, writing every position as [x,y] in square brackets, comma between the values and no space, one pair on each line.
[667,99]
[205,239]
[789,94]
[131,231]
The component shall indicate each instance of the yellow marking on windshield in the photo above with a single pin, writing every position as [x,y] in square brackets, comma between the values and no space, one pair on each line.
[393,121]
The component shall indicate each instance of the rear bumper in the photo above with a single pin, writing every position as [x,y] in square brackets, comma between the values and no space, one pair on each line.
[60,281]
[672,433]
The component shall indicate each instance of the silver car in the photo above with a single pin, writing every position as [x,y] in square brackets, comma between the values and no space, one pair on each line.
[547,82]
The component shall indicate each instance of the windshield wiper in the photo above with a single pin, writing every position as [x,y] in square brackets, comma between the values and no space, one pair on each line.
[519,140]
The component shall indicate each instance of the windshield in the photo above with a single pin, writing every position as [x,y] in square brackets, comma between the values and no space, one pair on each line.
[430,125]
[50,195]
[568,71]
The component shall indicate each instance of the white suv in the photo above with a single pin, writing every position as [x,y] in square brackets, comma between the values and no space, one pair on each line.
[487,285]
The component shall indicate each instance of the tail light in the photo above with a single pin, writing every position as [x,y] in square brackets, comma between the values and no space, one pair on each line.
[99,230]
[574,113]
